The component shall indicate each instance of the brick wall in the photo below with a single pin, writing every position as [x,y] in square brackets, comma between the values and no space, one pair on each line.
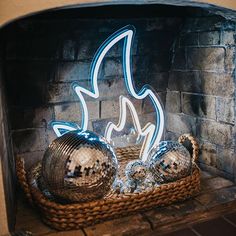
[44,56]
[201,90]
[188,59]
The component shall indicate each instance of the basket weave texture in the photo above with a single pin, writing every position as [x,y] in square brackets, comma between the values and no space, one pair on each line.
[76,215]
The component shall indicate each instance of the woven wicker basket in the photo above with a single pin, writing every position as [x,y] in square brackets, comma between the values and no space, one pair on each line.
[74,216]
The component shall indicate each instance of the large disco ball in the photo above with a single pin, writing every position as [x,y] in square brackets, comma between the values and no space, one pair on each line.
[79,166]
[169,161]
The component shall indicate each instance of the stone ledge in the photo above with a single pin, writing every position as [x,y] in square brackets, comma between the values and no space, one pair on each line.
[216,197]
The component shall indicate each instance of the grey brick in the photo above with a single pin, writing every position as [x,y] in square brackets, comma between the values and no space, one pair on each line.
[72,111]
[205,59]
[86,47]
[145,118]
[30,118]
[198,105]
[179,59]
[173,102]
[225,109]
[208,154]
[100,125]
[110,109]
[154,24]
[230,59]
[209,83]
[189,39]
[155,42]
[180,123]
[203,24]
[117,50]
[108,88]
[50,135]
[148,106]
[73,71]
[158,80]
[162,62]
[185,81]
[171,136]
[218,84]
[113,67]
[69,50]
[228,38]
[215,132]
[29,140]
[60,92]
[111,88]
[68,112]
[137,104]
[209,38]
[226,160]
[166,23]
[42,116]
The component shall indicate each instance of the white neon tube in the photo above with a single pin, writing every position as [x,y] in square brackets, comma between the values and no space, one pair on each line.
[152,133]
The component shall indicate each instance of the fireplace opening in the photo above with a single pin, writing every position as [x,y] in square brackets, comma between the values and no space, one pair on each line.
[187,54]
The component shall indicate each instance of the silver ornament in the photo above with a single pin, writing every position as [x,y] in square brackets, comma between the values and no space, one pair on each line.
[79,166]
[169,161]
[128,187]
[136,171]
[118,185]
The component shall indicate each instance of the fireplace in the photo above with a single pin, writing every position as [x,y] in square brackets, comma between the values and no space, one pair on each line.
[187,54]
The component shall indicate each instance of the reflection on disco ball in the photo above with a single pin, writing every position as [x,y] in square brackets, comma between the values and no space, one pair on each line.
[79,166]
[128,187]
[136,171]
[118,185]
[169,161]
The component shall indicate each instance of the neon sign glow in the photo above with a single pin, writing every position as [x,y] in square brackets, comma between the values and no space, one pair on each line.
[152,133]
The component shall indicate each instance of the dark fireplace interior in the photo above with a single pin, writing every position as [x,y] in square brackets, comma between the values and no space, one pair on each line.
[186,54]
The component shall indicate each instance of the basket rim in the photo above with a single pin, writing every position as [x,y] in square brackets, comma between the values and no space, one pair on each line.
[68,216]
[116,198]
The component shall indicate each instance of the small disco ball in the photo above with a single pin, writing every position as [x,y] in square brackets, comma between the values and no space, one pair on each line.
[118,185]
[79,166]
[128,187]
[169,161]
[136,171]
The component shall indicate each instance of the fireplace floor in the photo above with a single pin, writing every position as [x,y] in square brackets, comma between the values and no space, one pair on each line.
[217,200]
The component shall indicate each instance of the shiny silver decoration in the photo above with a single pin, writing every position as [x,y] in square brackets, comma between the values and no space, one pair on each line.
[79,166]
[169,161]
[118,185]
[136,171]
[128,187]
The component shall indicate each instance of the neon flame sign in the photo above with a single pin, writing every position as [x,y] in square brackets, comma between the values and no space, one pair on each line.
[152,133]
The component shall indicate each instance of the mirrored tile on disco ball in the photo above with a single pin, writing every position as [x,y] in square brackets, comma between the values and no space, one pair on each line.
[169,161]
[82,167]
